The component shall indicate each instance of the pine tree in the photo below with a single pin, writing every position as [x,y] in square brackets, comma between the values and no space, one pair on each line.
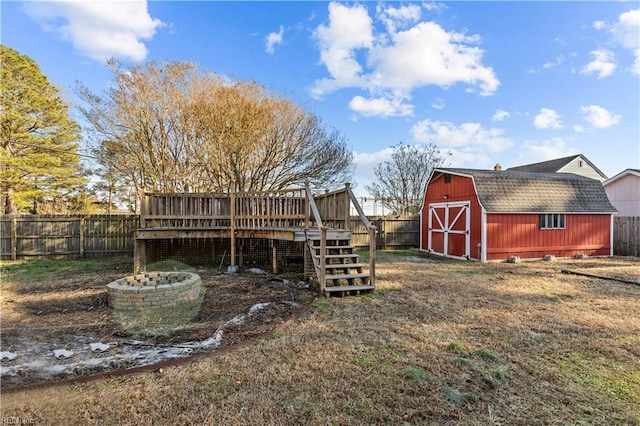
[38,140]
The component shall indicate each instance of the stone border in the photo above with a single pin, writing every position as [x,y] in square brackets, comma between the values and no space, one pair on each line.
[153,289]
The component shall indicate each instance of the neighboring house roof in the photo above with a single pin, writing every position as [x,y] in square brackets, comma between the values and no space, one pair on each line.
[511,191]
[633,172]
[559,165]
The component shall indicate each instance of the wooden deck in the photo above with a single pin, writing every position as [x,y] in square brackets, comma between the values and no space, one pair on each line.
[284,215]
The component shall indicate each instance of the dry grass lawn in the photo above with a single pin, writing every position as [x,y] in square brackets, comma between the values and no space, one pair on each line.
[439,342]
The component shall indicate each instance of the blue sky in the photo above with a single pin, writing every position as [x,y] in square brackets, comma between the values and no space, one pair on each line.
[489,82]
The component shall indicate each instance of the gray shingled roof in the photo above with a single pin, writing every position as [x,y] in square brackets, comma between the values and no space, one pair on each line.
[510,191]
[553,166]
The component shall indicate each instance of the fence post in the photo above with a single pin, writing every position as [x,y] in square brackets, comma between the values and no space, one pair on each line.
[14,238]
[384,232]
[82,237]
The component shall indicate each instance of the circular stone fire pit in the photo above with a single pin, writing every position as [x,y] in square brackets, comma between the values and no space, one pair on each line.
[155,303]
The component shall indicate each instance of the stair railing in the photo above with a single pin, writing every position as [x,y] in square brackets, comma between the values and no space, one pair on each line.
[372,234]
[323,237]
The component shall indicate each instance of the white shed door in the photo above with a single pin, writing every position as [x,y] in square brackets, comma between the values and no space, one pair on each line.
[449,226]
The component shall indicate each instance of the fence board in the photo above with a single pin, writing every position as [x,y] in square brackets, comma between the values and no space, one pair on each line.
[626,236]
[44,236]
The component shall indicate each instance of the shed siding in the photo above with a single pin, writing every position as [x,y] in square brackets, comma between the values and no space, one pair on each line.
[460,188]
[519,234]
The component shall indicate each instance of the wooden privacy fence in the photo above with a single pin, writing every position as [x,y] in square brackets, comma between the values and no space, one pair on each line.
[37,236]
[392,232]
[626,236]
[44,236]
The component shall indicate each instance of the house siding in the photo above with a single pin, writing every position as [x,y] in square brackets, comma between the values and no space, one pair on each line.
[580,166]
[624,194]
[519,235]
[459,189]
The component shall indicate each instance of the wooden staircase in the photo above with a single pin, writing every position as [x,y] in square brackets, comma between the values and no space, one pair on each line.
[343,274]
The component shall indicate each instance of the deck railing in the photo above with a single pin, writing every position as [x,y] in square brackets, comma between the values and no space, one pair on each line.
[248,210]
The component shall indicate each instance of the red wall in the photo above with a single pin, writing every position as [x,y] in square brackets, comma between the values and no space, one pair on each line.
[519,235]
[459,189]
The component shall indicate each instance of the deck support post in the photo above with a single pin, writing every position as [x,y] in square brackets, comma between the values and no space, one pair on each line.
[232,231]
[240,253]
[274,255]
[323,258]
[372,255]
[139,255]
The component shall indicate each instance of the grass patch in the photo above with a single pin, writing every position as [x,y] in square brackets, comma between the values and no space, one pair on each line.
[487,355]
[29,270]
[604,376]
[389,256]
[415,374]
[458,348]
[321,304]
[453,396]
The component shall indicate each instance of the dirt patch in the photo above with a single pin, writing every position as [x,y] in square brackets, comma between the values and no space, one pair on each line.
[59,326]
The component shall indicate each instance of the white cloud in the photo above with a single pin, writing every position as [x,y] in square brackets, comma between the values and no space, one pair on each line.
[599,117]
[383,107]
[465,136]
[401,17]
[273,39]
[547,119]
[535,151]
[627,32]
[559,60]
[627,29]
[438,103]
[603,63]
[391,64]
[349,29]
[500,115]
[99,29]
[624,32]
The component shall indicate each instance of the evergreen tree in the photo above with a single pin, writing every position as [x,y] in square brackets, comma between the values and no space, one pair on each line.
[38,140]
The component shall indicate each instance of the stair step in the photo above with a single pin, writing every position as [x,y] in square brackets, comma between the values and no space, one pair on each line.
[348,288]
[338,256]
[343,265]
[345,276]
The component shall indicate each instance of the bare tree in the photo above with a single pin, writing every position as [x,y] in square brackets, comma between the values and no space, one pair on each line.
[402,179]
[172,129]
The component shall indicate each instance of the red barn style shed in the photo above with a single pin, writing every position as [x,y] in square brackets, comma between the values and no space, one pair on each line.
[494,214]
